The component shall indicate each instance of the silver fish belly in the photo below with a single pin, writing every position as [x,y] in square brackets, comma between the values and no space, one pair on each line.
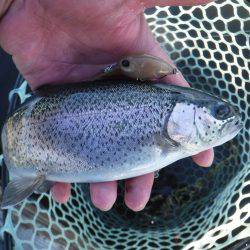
[101,132]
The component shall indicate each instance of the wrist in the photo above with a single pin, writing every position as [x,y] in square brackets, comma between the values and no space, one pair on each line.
[4,6]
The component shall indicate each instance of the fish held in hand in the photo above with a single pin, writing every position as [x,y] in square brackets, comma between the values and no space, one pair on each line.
[108,130]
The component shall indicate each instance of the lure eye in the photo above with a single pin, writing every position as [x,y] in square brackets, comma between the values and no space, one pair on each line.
[222,111]
[125,63]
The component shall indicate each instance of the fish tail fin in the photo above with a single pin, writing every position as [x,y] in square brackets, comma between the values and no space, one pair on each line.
[19,189]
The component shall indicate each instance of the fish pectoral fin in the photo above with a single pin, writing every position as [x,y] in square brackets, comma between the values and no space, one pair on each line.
[165,142]
[19,189]
[44,187]
[171,142]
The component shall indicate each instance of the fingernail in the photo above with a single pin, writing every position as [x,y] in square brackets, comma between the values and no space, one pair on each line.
[103,195]
[136,198]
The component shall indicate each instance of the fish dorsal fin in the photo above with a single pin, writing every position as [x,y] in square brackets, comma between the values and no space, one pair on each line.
[188,92]
[173,88]
[19,189]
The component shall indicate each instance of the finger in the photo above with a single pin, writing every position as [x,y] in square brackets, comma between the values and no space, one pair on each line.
[4,6]
[61,192]
[205,158]
[152,3]
[137,191]
[153,48]
[103,194]
[176,79]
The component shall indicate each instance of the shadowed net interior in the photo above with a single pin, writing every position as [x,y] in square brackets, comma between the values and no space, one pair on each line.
[190,207]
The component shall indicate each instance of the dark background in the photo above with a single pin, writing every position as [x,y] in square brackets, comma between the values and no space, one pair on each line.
[8,75]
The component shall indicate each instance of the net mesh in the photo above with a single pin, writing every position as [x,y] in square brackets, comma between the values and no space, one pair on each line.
[192,208]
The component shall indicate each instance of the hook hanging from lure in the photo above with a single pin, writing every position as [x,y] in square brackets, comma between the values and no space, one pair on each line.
[140,67]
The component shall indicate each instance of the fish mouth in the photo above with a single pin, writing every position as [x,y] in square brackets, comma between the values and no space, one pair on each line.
[233,125]
[236,125]
[229,131]
[239,126]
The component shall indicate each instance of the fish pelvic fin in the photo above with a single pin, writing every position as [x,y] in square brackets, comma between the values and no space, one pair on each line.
[19,189]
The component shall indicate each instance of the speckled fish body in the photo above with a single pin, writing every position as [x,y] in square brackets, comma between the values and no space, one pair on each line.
[112,130]
[88,133]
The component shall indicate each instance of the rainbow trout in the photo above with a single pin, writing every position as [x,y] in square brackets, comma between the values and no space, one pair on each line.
[108,130]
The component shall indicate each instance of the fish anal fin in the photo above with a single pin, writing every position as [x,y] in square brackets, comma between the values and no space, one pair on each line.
[19,189]
[44,187]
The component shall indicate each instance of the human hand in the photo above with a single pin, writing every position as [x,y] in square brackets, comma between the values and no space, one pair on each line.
[70,41]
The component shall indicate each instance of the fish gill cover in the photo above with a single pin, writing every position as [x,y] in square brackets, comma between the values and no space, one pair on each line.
[192,208]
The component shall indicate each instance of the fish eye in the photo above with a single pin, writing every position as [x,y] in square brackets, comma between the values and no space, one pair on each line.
[222,111]
[125,63]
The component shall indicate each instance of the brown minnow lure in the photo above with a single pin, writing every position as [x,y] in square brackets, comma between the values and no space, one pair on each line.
[139,67]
